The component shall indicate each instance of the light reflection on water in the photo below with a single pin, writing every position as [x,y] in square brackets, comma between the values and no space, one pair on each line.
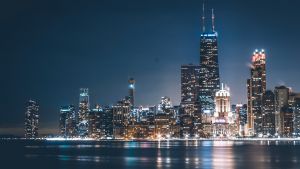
[173,154]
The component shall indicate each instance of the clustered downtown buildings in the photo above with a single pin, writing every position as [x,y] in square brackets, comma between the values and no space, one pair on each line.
[205,110]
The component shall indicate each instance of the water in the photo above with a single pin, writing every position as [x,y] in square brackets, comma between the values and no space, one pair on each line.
[150,155]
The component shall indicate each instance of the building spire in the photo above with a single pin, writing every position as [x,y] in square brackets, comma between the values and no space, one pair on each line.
[213,19]
[203,17]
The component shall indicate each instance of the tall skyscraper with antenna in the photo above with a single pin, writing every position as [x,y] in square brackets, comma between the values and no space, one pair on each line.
[209,81]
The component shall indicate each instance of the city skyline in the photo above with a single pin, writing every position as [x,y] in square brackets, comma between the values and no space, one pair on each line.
[168,81]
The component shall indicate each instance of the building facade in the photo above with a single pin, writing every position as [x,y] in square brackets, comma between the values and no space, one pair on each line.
[209,79]
[121,112]
[67,121]
[31,122]
[281,101]
[268,117]
[256,86]
[131,91]
[190,83]
[190,110]
[83,113]
[223,123]
[296,117]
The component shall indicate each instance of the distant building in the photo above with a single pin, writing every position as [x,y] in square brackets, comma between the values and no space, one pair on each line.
[121,113]
[288,124]
[209,78]
[83,113]
[131,91]
[190,110]
[209,82]
[106,122]
[190,83]
[190,119]
[223,123]
[164,105]
[94,121]
[296,119]
[268,117]
[240,110]
[281,101]
[250,117]
[67,121]
[256,86]
[31,122]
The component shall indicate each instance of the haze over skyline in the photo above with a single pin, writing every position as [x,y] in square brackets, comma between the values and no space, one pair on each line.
[50,49]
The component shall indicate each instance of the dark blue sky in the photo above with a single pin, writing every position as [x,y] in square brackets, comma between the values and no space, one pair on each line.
[49,49]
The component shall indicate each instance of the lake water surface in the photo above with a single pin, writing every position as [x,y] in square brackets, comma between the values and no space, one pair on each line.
[17,154]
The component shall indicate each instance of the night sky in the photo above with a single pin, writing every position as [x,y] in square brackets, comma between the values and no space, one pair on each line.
[50,49]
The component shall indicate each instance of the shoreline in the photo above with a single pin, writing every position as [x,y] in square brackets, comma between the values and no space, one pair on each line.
[151,140]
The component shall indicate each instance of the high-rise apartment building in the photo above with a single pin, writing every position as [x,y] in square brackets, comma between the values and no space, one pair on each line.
[31,122]
[190,83]
[256,86]
[268,116]
[281,101]
[67,121]
[296,117]
[83,113]
[121,113]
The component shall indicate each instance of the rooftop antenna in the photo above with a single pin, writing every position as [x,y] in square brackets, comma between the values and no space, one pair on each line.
[213,19]
[203,17]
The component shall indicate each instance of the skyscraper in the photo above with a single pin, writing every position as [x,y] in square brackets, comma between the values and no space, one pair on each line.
[209,80]
[31,119]
[281,101]
[84,107]
[131,91]
[190,83]
[84,104]
[95,116]
[297,117]
[250,116]
[287,124]
[256,86]
[268,117]
[106,124]
[67,121]
[121,113]
[241,112]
